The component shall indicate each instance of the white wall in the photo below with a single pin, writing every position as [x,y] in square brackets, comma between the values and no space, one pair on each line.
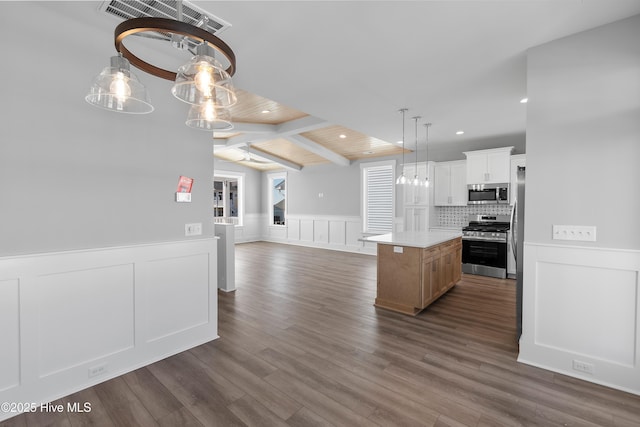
[75,176]
[582,299]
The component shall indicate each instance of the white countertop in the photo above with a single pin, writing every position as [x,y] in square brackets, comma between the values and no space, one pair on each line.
[414,239]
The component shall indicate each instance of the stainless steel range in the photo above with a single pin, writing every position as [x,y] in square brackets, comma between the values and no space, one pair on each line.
[484,245]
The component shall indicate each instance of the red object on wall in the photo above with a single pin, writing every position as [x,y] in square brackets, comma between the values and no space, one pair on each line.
[184,184]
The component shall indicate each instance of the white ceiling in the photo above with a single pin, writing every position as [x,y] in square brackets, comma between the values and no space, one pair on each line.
[458,64]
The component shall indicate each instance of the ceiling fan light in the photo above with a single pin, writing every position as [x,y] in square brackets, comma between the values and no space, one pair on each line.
[204,78]
[117,89]
[209,117]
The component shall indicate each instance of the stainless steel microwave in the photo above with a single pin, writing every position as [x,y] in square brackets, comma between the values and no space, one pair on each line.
[487,194]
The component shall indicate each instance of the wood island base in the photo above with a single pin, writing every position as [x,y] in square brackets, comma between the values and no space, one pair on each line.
[410,278]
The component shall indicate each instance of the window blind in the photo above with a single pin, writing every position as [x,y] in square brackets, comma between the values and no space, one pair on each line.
[378,201]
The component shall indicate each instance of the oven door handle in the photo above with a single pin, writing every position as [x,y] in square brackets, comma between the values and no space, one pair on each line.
[483,239]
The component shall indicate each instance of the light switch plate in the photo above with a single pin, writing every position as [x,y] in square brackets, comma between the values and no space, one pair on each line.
[584,233]
[398,249]
[194,229]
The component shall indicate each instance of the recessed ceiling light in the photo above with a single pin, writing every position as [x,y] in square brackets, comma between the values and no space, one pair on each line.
[399,142]
[460,132]
[265,111]
[524,100]
[342,136]
[368,152]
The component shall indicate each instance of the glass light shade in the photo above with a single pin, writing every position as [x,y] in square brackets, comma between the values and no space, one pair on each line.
[416,181]
[202,79]
[401,179]
[117,89]
[209,117]
[426,182]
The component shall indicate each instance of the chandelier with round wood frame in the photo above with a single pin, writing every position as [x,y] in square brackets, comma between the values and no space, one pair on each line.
[203,82]
[165,25]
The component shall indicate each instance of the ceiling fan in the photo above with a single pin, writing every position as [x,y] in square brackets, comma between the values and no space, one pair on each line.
[247,157]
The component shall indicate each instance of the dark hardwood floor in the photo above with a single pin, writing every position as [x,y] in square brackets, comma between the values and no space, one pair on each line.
[302,345]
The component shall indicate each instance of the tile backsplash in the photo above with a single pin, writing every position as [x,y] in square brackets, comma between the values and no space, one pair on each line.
[458,216]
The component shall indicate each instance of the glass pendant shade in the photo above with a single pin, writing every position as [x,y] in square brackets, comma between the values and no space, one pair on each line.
[209,117]
[401,179]
[117,89]
[202,79]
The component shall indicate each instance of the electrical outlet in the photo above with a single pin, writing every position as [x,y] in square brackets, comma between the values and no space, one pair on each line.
[574,232]
[98,370]
[194,229]
[585,367]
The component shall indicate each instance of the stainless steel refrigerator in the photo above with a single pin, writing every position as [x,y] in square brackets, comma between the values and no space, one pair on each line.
[517,234]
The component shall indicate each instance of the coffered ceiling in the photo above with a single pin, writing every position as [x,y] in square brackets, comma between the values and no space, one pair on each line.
[268,136]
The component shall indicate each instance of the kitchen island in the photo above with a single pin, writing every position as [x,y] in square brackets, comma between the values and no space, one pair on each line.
[416,268]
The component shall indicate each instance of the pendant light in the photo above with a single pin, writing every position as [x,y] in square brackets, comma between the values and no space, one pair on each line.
[204,79]
[203,82]
[402,179]
[117,89]
[416,181]
[426,154]
[209,117]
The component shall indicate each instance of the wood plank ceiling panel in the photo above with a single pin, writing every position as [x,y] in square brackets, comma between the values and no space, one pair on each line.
[287,150]
[354,146]
[253,108]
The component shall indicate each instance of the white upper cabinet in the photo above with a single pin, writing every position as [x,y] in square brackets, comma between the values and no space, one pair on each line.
[450,186]
[489,166]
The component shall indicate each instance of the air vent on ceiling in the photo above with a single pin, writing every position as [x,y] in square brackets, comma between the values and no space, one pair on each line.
[191,14]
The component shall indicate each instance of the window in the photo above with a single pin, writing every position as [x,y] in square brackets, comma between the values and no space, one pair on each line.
[228,197]
[378,188]
[277,198]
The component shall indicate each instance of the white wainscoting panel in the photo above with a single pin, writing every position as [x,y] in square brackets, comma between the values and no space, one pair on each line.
[175,292]
[252,228]
[277,232]
[70,320]
[321,231]
[293,229]
[306,230]
[10,330]
[84,315]
[583,304]
[338,233]
[341,233]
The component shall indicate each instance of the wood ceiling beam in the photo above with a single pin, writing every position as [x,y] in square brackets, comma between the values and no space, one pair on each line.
[318,149]
[275,159]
